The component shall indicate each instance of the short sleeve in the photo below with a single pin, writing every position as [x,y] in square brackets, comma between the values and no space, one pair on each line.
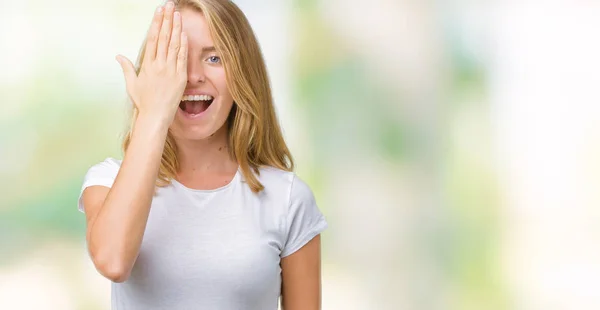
[304,219]
[103,173]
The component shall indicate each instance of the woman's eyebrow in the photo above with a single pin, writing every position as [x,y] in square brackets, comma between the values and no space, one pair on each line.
[208,49]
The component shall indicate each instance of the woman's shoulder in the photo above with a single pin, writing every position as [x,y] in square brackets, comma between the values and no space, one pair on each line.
[107,168]
[108,164]
[283,181]
[273,178]
[102,173]
[273,174]
[303,219]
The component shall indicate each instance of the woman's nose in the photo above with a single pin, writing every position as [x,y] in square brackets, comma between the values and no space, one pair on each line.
[196,74]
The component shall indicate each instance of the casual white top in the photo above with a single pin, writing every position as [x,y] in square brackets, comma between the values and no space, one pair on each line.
[215,249]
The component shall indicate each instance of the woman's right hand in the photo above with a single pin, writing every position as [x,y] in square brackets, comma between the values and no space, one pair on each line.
[157,90]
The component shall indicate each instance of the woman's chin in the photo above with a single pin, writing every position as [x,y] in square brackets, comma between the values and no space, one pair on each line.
[192,132]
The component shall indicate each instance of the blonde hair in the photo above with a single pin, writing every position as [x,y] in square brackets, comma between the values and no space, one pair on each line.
[255,137]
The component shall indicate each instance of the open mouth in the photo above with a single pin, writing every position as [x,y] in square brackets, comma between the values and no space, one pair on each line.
[195,104]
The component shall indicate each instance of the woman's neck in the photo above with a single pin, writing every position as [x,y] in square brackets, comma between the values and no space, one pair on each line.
[207,156]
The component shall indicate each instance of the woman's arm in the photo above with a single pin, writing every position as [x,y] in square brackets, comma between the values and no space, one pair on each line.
[301,277]
[116,218]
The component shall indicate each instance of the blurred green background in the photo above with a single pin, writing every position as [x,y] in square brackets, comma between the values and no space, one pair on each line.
[451,144]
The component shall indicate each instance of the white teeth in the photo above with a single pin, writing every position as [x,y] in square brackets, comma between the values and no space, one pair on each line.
[197,98]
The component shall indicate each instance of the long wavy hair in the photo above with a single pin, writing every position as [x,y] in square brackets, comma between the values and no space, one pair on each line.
[255,138]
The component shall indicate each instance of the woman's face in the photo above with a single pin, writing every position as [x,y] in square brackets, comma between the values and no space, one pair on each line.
[206,102]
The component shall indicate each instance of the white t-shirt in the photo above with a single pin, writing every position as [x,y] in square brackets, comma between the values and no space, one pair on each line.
[215,249]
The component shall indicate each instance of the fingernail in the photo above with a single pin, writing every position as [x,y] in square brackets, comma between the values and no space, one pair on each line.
[170,4]
[159,9]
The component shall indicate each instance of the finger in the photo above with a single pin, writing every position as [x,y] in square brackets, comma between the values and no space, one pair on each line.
[128,69]
[165,32]
[175,44]
[182,55]
[152,37]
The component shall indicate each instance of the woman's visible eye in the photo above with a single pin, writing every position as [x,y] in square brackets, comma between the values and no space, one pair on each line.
[214,59]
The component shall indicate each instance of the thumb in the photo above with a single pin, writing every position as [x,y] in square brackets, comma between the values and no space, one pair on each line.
[128,68]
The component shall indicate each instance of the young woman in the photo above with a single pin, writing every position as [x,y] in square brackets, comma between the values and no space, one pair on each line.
[204,211]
